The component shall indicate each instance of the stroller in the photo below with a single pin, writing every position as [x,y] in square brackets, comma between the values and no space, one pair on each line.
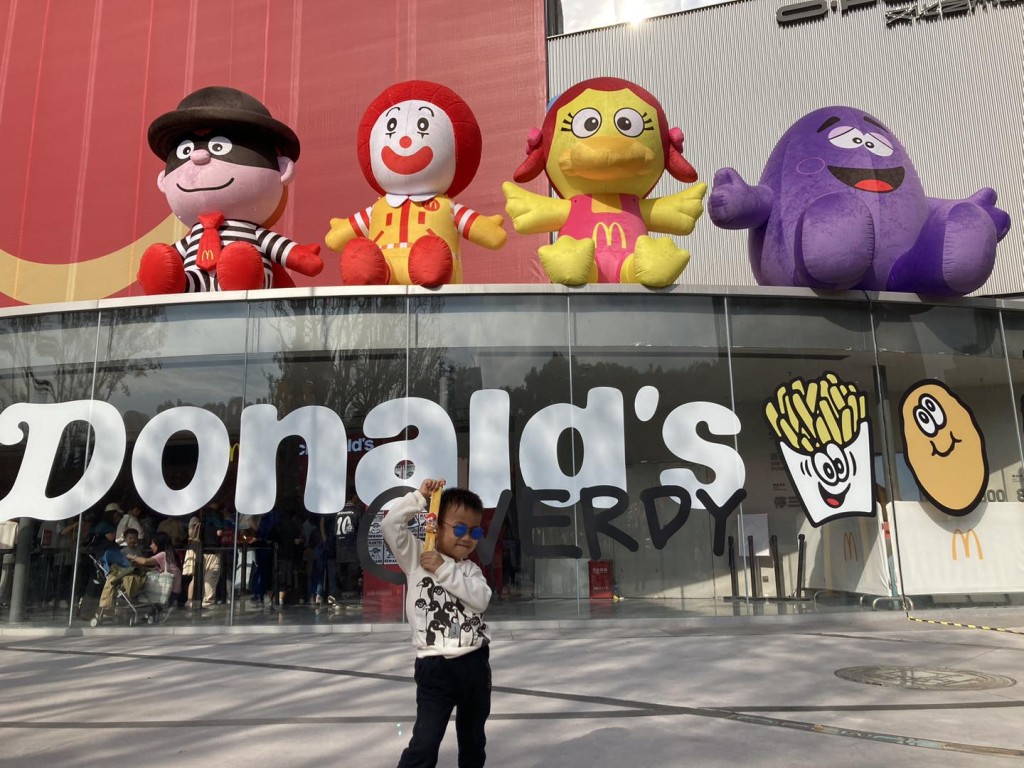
[134,602]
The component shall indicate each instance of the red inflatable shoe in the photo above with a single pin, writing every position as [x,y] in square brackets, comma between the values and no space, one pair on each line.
[430,262]
[161,270]
[362,263]
[240,268]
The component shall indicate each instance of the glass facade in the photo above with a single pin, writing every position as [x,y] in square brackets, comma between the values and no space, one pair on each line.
[568,16]
[640,454]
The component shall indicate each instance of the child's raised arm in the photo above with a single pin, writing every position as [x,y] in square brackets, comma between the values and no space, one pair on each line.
[395,528]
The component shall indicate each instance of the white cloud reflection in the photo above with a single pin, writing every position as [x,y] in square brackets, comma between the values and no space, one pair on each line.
[579,15]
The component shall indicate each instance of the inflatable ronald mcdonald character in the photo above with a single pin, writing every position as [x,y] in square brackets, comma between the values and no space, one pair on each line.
[419,145]
[839,205]
[229,163]
[604,145]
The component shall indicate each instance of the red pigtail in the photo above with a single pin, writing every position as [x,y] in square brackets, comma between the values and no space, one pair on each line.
[536,157]
[677,165]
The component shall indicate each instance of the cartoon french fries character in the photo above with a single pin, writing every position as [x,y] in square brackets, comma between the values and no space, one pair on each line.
[825,438]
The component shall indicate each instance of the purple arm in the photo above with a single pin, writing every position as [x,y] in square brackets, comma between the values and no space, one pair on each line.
[734,204]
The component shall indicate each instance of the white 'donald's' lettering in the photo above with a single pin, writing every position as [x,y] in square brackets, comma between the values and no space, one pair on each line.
[211,466]
[680,434]
[430,450]
[433,452]
[326,441]
[601,428]
[46,424]
[490,470]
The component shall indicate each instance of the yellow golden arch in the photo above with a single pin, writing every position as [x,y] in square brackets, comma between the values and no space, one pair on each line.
[30,282]
[965,541]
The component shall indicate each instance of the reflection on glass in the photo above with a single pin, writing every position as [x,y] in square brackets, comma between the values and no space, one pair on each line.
[662,354]
[568,16]
[463,345]
[799,406]
[955,437]
[809,365]
[44,359]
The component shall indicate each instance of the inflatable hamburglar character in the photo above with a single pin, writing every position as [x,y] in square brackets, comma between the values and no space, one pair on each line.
[229,163]
[604,145]
[419,145]
[839,205]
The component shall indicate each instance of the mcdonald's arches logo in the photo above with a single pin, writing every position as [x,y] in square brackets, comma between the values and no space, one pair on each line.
[232,452]
[609,233]
[965,539]
[850,549]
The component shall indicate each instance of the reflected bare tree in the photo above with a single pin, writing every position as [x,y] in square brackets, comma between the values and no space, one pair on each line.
[677,380]
[52,358]
[347,354]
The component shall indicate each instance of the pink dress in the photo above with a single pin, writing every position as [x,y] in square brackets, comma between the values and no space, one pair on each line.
[160,558]
[614,232]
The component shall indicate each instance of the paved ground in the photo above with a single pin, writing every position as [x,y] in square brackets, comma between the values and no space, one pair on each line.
[636,694]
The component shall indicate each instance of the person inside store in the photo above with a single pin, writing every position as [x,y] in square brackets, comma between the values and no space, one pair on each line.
[349,574]
[121,555]
[51,557]
[283,528]
[174,527]
[136,518]
[161,559]
[219,538]
[205,539]
[103,532]
[319,542]
[121,572]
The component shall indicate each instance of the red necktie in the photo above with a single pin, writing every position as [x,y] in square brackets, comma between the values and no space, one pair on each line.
[209,242]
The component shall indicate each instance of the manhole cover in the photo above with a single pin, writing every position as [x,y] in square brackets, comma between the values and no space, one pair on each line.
[923,678]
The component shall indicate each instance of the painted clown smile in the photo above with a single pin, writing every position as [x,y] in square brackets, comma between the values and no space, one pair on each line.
[407,164]
[833,500]
[953,441]
[207,189]
[869,179]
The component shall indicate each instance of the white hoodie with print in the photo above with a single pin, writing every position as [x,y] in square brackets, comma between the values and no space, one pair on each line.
[445,608]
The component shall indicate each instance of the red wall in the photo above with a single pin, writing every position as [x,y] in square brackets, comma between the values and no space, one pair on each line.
[81,81]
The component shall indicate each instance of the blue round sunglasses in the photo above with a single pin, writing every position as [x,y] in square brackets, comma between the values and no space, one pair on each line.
[460,530]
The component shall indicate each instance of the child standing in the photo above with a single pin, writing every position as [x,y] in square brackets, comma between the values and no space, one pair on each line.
[446,597]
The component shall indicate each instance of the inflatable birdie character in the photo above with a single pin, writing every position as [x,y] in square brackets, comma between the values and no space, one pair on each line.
[419,145]
[839,205]
[604,144]
[229,163]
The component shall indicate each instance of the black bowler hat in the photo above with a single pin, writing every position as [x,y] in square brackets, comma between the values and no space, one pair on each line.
[219,105]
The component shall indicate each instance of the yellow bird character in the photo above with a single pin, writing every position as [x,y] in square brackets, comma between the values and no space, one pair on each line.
[604,145]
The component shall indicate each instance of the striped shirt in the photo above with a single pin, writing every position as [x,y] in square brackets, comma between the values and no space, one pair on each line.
[272,246]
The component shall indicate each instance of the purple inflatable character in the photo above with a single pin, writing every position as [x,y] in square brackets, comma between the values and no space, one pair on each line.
[839,205]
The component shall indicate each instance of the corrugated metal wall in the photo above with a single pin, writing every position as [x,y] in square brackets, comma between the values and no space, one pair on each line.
[951,88]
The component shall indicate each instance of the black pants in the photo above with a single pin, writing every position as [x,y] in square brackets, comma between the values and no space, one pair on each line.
[441,685]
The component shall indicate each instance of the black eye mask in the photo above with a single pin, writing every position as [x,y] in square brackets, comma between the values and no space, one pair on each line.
[247,148]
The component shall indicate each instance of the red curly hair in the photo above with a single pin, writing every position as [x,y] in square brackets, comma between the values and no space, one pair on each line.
[468,142]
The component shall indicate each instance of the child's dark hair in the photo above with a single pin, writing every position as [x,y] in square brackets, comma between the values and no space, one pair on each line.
[459,497]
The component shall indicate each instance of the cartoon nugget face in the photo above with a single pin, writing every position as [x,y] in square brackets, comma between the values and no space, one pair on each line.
[419,138]
[944,447]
